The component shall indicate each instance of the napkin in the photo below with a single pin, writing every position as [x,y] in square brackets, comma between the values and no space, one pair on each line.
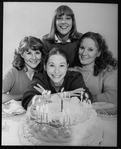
[12,108]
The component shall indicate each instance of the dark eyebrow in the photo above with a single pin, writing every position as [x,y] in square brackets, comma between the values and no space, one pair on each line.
[63,63]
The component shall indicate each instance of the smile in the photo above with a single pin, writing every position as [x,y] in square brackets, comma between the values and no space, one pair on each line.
[63,27]
[84,58]
[56,76]
[34,62]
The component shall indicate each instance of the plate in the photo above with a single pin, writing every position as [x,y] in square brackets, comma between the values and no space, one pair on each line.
[105,105]
[105,109]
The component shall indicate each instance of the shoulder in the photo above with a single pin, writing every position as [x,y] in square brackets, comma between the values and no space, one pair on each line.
[10,75]
[109,71]
[45,37]
[73,74]
[39,76]
[78,35]
[11,70]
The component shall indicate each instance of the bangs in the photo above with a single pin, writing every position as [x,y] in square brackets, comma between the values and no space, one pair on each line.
[34,46]
[64,11]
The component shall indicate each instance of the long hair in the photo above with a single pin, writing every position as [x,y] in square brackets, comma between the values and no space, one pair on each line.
[63,10]
[25,44]
[105,60]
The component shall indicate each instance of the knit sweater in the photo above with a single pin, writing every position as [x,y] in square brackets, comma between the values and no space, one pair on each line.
[72,81]
[103,86]
[69,47]
[15,82]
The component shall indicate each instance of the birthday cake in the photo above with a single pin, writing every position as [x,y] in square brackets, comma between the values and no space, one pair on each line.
[60,121]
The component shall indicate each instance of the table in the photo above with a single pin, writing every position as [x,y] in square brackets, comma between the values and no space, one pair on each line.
[10,132]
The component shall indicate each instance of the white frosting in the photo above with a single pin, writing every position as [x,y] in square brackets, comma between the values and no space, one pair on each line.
[78,121]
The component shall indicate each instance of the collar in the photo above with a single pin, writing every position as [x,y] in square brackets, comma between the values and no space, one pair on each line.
[84,69]
[59,41]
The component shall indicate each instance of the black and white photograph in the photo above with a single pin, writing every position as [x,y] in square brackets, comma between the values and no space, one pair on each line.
[59,74]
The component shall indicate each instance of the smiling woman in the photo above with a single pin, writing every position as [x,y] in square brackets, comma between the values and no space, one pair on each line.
[27,59]
[63,33]
[98,67]
[55,78]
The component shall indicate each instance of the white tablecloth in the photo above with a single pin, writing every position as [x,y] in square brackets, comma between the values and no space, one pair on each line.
[10,132]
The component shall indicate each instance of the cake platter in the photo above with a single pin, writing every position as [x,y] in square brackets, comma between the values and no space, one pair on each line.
[94,138]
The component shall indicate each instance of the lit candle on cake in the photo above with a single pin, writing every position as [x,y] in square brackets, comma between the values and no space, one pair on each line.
[46,113]
[68,116]
[86,95]
[48,93]
[63,118]
[75,115]
[62,98]
[61,105]
[33,100]
[41,112]
[82,96]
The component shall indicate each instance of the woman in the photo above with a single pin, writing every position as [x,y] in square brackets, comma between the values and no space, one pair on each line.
[55,78]
[98,67]
[27,60]
[63,33]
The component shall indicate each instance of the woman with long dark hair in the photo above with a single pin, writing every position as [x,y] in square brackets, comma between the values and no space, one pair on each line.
[63,33]
[98,67]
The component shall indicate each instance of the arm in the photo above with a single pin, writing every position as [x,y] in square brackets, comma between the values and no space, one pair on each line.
[7,97]
[77,82]
[28,95]
[109,89]
[7,85]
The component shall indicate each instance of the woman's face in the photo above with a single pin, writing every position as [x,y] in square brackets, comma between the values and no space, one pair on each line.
[88,51]
[64,24]
[32,58]
[56,69]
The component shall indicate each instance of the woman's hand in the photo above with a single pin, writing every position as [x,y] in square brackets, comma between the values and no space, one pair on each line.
[76,92]
[39,88]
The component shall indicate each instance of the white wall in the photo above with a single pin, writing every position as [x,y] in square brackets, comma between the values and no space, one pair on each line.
[34,19]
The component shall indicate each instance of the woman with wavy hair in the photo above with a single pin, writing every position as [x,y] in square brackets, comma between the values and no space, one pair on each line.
[99,68]
[63,33]
[27,60]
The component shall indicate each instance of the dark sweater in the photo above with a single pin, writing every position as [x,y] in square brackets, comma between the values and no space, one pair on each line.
[69,47]
[73,80]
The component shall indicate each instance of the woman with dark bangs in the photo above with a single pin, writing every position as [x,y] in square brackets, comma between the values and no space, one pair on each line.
[63,33]
[98,67]
[28,59]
